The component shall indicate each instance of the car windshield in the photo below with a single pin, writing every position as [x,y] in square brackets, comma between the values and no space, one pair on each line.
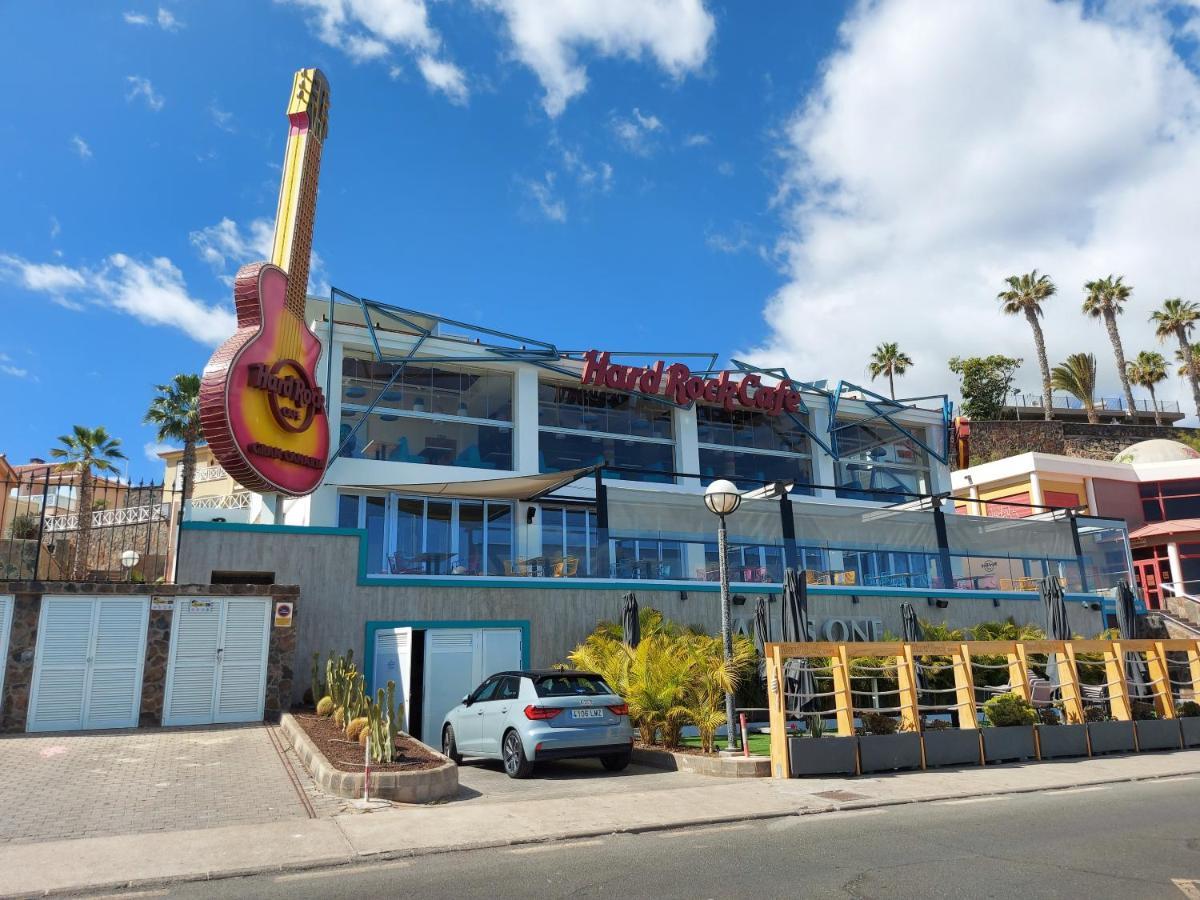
[570,686]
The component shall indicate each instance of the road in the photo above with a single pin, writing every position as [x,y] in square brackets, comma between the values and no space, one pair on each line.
[1124,840]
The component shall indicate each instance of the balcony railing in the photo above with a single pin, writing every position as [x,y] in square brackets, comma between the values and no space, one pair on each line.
[123,515]
[1103,404]
[236,500]
[203,475]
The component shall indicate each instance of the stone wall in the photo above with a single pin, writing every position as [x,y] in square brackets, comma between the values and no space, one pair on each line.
[997,439]
[18,678]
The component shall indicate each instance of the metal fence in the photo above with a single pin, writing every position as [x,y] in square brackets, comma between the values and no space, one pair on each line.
[125,534]
[1103,404]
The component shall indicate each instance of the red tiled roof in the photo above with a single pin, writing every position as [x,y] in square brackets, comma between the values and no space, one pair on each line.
[1160,529]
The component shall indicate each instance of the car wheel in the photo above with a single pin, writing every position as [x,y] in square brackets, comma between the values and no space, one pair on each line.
[515,763]
[449,747]
[615,762]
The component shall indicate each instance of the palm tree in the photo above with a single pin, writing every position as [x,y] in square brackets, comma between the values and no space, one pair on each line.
[1104,300]
[1024,298]
[85,451]
[888,359]
[176,412]
[1146,371]
[1177,317]
[1077,376]
[1183,366]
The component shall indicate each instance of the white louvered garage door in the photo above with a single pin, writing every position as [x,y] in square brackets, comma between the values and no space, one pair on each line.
[6,614]
[87,671]
[217,672]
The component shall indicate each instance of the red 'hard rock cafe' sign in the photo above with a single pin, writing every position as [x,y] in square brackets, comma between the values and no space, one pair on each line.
[684,388]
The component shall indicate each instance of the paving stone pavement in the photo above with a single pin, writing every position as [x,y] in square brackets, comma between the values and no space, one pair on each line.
[94,784]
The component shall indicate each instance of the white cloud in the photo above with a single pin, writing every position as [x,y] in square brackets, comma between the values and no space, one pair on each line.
[225,246]
[598,176]
[136,18]
[542,192]
[951,144]
[81,147]
[55,227]
[725,168]
[635,131]
[8,367]
[221,118]
[697,140]
[141,87]
[367,30]
[445,77]
[734,241]
[153,292]
[548,38]
[152,448]
[167,21]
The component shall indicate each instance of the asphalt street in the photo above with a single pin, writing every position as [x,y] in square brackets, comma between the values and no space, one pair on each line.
[1126,840]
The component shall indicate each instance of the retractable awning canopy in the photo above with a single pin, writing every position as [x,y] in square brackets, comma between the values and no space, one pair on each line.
[516,487]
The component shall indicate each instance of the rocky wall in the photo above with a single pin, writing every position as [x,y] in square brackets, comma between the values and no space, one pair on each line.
[997,439]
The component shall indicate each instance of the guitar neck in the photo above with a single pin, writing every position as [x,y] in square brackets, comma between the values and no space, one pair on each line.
[297,209]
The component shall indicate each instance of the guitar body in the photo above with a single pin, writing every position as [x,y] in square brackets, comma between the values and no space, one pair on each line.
[261,407]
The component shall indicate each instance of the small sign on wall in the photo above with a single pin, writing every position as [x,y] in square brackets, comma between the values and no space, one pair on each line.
[162,604]
[283,615]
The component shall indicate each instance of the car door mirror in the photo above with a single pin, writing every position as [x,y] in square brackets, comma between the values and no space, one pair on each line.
[466,700]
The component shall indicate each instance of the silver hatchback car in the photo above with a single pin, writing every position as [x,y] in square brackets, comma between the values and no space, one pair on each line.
[522,718]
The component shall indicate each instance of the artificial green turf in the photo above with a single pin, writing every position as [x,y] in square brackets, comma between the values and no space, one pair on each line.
[760,744]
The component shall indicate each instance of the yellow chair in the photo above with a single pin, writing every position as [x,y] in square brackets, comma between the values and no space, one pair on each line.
[520,568]
[566,567]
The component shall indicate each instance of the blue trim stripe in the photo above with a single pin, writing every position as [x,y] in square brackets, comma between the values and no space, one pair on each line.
[374,626]
[594,584]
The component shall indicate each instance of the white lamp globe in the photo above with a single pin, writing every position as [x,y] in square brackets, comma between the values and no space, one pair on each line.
[722,497]
[130,558]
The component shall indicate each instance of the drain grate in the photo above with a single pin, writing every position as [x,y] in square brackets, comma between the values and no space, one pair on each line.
[841,796]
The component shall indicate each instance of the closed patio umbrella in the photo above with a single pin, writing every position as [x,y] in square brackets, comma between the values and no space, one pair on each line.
[798,681]
[911,632]
[631,623]
[762,630]
[1129,626]
[1058,628]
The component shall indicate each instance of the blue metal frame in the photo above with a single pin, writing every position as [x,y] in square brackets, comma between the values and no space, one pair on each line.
[884,407]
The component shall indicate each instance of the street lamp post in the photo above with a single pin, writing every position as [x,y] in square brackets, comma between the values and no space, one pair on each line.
[722,499]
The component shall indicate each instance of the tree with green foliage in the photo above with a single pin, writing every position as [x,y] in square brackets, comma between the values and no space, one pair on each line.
[176,413]
[1105,299]
[888,359]
[1077,376]
[1183,365]
[1176,319]
[1146,371]
[86,450]
[1024,297]
[984,383]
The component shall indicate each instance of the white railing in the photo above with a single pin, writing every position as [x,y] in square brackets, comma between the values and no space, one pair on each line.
[236,500]
[123,515]
[202,475]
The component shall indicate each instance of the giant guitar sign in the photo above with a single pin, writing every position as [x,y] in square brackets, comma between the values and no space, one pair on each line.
[261,407]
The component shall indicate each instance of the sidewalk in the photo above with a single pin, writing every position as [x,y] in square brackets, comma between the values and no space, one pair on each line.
[139,860]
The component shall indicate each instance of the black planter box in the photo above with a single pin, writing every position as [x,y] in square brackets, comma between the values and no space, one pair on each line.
[823,756]
[1111,737]
[953,747]
[1057,741]
[1010,742]
[1158,734]
[886,752]
[1190,726]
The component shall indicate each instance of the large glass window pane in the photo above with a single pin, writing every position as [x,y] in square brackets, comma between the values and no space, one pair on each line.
[579,541]
[410,528]
[499,537]
[413,439]
[441,390]
[376,525]
[747,428]
[1182,507]
[751,470]
[348,511]
[1152,510]
[470,559]
[559,451]
[437,555]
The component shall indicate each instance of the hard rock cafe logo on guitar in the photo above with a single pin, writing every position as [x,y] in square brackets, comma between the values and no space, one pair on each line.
[261,409]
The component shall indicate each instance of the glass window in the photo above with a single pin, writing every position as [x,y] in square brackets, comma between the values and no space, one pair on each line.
[376,525]
[1182,507]
[878,461]
[348,510]
[571,686]
[419,389]
[559,451]
[439,442]
[486,691]
[499,537]
[1152,510]
[751,470]
[509,689]
[569,540]
[647,558]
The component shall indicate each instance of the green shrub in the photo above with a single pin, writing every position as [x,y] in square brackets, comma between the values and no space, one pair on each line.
[1188,709]
[937,725]
[24,527]
[1140,710]
[816,726]
[1048,715]
[1009,709]
[1095,712]
[878,723]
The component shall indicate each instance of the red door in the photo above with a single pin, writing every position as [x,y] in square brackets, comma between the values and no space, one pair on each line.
[1148,580]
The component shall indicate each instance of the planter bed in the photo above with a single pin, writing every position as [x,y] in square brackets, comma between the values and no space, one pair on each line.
[888,752]
[1190,726]
[822,756]
[1158,734]
[952,747]
[1008,743]
[418,774]
[1111,737]
[720,765]
[1060,741]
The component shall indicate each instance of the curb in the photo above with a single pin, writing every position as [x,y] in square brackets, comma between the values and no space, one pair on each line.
[717,766]
[353,859]
[423,786]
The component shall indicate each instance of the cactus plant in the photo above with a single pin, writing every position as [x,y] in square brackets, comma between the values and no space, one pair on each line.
[393,714]
[354,729]
[318,686]
[325,706]
[362,737]
[339,716]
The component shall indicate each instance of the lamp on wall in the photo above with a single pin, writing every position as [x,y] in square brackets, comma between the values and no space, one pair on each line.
[530,515]
[722,499]
[939,602]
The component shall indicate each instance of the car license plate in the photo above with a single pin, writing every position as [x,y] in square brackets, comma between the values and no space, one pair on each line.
[587,714]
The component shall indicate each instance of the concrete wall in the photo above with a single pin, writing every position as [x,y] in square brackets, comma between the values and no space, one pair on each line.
[336,607]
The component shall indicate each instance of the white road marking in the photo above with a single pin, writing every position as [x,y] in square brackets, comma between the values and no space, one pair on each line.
[1189,888]
[131,894]
[558,845]
[704,829]
[1174,780]
[342,870]
[1079,790]
[967,800]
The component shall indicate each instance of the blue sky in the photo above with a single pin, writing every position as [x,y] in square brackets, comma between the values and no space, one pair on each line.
[791,181]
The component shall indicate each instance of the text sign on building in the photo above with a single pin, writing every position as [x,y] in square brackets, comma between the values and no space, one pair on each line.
[684,388]
[283,615]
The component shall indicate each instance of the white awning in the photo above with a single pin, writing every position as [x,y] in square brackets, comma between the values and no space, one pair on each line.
[515,487]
